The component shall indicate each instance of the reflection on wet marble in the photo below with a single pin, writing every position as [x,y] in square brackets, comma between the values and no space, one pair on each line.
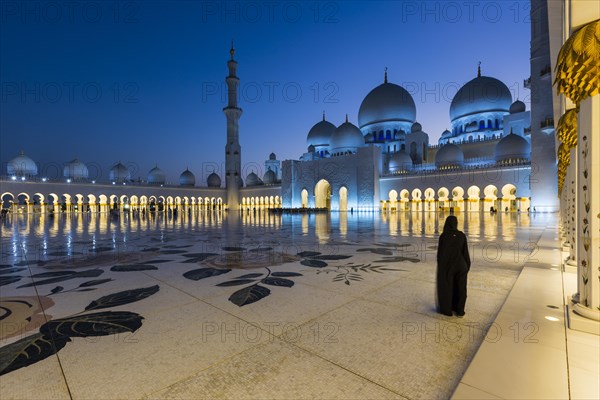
[222,285]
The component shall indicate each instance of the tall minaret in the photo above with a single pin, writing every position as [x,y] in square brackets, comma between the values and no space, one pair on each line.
[544,187]
[233,150]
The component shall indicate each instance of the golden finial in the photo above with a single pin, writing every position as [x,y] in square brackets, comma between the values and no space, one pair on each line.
[385,76]
[323,115]
[479,69]
[232,51]
[346,118]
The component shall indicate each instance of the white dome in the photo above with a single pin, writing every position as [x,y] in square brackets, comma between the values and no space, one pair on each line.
[119,173]
[446,134]
[253,180]
[517,107]
[482,94]
[269,178]
[416,127]
[187,178]
[512,147]
[320,134]
[156,176]
[21,165]
[213,180]
[387,102]
[400,161]
[449,155]
[347,137]
[75,170]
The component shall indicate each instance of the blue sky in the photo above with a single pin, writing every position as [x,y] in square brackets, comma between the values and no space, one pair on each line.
[142,82]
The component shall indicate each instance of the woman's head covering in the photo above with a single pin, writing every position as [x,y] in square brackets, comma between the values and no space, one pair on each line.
[451,224]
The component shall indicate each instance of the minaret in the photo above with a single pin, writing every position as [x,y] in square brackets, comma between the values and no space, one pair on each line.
[233,150]
[544,187]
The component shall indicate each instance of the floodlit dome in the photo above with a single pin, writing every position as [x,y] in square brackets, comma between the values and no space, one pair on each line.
[347,137]
[400,161]
[21,165]
[75,170]
[213,180]
[320,134]
[272,156]
[269,178]
[512,147]
[416,127]
[480,95]
[156,176]
[187,178]
[446,134]
[517,107]
[387,102]
[119,173]
[253,180]
[449,155]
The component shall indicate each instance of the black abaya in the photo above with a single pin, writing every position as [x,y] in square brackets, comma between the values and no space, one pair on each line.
[453,264]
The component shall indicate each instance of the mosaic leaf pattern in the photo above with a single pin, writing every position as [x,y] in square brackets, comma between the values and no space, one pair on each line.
[96,324]
[133,267]
[202,273]
[249,295]
[124,297]
[91,273]
[28,351]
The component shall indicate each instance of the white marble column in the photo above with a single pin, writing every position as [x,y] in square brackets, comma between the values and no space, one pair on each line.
[588,208]
[571,186]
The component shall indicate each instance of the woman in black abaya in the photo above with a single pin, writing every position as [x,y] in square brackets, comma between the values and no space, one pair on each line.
[453,264]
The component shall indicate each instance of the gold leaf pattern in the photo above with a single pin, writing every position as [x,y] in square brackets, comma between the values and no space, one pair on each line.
[578,64]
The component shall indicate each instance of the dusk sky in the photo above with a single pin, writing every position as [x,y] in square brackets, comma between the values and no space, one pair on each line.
[142,82]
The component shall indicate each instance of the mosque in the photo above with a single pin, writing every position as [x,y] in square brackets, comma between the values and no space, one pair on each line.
[386,163]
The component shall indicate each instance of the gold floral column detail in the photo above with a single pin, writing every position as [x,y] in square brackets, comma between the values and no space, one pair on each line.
[578,65]
[566,132]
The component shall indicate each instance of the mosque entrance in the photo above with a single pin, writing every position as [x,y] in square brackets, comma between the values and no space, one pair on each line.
[343,199]
[323,194]
[304,197]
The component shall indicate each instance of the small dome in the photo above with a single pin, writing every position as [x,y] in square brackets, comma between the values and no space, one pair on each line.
[187,178]
[517,107]
[269,178]
[416,127]
[253,180]
[512,147]
[449,155]
[400,161]
[445,135]
[311,148]
[347,137]
[156,176]
[479,95]
[272,156]
[119,173]
[21,165]
[75,170]
[387,103]
[213,180]
[320,134]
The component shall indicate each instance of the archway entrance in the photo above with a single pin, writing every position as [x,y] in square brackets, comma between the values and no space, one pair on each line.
[343,199]
[323,194]
[304,198]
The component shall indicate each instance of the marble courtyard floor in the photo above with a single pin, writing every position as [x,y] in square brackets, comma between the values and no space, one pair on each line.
[210,305]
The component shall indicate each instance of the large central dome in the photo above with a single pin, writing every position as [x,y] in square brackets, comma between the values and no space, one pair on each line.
[482,94]
[387,102]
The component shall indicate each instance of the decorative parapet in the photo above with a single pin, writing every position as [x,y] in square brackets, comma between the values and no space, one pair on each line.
[578,64]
